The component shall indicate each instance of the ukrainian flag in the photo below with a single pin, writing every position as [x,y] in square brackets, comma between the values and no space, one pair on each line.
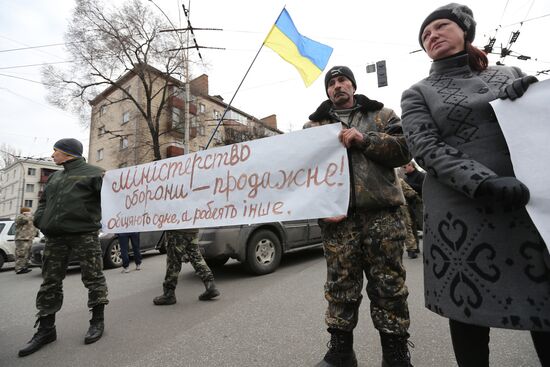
[308,56]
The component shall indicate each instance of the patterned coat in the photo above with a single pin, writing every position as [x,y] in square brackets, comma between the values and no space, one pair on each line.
[484,263]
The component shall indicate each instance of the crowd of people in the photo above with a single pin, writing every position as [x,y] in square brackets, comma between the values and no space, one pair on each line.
[485,264]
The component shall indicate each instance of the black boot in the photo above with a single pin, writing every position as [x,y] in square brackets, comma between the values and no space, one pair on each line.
[211,291]
[395,350]
[168,298]
[46,334]
[340,352]
[24,270]
[97,325]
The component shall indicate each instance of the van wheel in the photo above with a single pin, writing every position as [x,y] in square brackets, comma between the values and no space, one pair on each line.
[2,260]
[263,253]
[112,257]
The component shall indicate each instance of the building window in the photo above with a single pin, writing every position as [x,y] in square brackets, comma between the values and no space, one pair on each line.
[202,108]
[216,115]
[123,143]
[125,117]
[28,203]
[29,188]
[101,131]
[99,154]
[102,110]
[31,171]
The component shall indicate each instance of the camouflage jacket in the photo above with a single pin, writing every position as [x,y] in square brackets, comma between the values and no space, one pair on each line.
[374,183]
[71,201]
[24,229]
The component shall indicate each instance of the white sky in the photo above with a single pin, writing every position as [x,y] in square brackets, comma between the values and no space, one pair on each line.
[360,32]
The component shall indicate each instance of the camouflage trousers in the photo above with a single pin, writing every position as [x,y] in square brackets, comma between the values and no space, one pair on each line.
[369,242]
[183,245]
[57,251]
[22,253]
[411,237]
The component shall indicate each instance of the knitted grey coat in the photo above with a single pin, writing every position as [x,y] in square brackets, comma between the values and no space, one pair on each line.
[484,263]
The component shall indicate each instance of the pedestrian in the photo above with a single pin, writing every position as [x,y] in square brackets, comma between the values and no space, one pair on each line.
[181,245]
[413,177]
[370,238]
[25,232]
[412,199]
[486,263]
[123,239]
[69,215]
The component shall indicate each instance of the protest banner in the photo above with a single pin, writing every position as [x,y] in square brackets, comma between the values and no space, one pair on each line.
[299,175]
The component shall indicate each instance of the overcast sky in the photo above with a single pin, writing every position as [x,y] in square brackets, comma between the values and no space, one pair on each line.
[361,32]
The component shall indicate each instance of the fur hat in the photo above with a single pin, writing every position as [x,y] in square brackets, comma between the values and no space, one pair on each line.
[460,14]
[69,146]
[339,70]
[24,210]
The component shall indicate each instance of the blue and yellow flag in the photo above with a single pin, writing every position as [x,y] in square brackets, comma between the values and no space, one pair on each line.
[308,56]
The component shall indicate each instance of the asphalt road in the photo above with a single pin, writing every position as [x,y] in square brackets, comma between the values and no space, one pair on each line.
[271,320]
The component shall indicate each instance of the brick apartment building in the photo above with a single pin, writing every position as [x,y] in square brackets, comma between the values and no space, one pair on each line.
[120,137]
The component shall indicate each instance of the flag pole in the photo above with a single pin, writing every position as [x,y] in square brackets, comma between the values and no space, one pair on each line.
[239,87]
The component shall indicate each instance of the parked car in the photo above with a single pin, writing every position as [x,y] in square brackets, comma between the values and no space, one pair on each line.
[258,246]
[7,241]
[110,248]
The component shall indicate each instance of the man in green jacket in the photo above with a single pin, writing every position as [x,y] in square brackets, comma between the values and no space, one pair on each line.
[69,215]
[369,240]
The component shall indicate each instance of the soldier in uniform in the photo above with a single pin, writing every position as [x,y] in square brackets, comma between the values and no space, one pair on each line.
[182,245]
[370,238]
[69,215]
[24,234]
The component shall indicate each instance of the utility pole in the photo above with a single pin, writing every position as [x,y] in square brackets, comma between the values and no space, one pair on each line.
[185,47]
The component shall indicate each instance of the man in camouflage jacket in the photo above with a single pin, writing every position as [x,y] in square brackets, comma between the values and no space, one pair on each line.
[69,215]
[24,234]
[370,238]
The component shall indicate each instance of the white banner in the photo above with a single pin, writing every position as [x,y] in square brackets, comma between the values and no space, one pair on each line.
[524,123]
[299,175]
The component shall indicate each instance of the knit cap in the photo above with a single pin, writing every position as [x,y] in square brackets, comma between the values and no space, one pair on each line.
[337,71]
[460,14]
[69,146]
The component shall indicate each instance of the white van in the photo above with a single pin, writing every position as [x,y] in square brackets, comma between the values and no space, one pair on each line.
[7,241]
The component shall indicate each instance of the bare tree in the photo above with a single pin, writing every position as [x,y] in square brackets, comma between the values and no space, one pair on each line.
[106,43]
[8,155]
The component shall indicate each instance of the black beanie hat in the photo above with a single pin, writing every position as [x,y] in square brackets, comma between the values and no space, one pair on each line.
[460,14]
[69,146]
[339,70]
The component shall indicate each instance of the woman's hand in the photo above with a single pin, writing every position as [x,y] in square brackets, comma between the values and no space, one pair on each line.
[517,88]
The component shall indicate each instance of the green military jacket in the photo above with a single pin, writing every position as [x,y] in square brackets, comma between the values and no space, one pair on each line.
[24,229]
[71,201]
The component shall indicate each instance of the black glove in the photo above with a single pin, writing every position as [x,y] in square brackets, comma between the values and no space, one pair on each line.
[517,88]
[510,190]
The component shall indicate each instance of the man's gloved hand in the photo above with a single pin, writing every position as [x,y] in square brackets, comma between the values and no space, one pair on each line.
[510,190]
[517,88]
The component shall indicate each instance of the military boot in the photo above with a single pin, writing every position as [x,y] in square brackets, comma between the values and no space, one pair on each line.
[340,352]
[395,350]
[45,334]
[168,298]
[97,325]
[211,291]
